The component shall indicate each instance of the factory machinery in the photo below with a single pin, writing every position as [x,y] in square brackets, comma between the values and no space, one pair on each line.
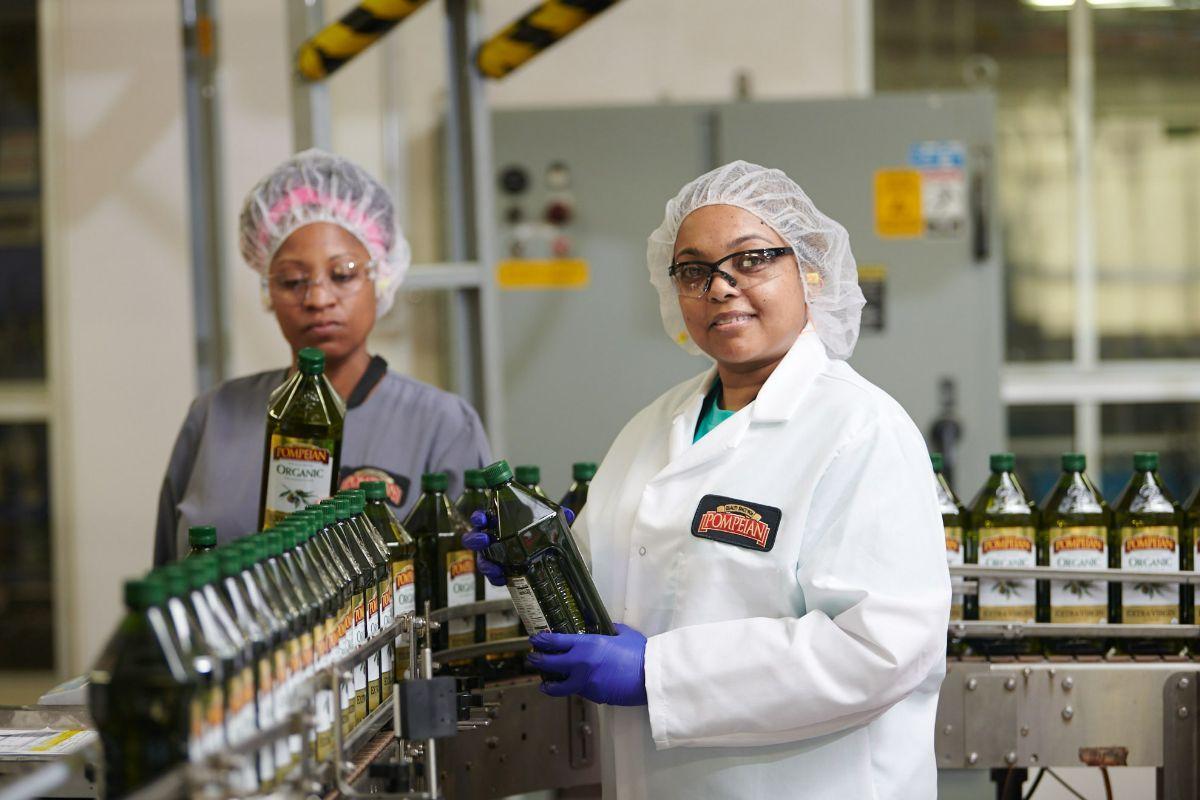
[457,738]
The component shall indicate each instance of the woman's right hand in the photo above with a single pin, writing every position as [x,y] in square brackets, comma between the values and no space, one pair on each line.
[483,527]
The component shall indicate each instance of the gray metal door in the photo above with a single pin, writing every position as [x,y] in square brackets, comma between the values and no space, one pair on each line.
[580,362]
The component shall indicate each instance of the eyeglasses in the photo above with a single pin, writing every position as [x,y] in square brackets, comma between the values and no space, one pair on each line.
[344,280]
[751,267]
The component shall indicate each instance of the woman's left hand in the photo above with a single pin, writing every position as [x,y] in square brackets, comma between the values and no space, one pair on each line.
[604,669]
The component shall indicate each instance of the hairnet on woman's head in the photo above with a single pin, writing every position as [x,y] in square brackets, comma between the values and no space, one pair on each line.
[315,186]
[821,245]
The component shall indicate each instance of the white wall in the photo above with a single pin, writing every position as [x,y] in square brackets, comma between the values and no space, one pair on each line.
[120,323]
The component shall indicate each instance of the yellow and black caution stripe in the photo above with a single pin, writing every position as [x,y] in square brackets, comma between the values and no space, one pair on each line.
[541,27]
[358,29]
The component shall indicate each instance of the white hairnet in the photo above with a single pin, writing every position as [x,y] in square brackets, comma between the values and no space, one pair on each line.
[315,186]
[822,249]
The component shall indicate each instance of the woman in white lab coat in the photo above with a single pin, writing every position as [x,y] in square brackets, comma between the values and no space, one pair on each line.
[767,531]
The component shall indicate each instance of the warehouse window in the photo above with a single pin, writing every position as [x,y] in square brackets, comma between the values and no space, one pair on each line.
[26,595]
[1127,75]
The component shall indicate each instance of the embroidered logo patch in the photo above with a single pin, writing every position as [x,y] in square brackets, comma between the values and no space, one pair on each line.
[736,522]
[397,485]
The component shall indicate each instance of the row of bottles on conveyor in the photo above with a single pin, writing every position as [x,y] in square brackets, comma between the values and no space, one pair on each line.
[1074,528]
[213,648]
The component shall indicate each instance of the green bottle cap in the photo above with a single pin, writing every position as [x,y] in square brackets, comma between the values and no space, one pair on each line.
[473,479]
[1002,462]
[937,461]
[201,571]
[143,593]
[174,578]
[358,500]
[273,542]
[229,559]
[329,513]
[202,536]
[342,504]
[1074,462]
[287,537]
[529,474]
[376,490]
[1145,461]
[583,470]
[311,361]
[251,554]
[434,482]
[496,474]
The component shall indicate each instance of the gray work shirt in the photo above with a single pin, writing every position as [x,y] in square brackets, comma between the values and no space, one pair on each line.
[402,429]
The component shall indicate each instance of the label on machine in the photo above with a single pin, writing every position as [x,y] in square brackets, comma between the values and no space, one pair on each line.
[1153,548]
[954,558]
[460,590]
[527,605]
[1079,602]
[1007,599]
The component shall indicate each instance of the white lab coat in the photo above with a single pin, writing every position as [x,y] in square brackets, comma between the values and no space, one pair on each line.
[808,671]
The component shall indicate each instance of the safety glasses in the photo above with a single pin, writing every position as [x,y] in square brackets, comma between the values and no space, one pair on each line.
[748,268]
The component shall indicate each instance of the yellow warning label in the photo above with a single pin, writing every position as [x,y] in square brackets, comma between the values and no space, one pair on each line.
[898,203]
[533,274]
[872,273]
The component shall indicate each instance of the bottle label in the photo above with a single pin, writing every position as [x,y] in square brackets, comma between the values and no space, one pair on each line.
[372,611]
[233,716]
[196,728]
[954,558]
[500,624]
[266,713]
[1079,602]
[460,590]
[527,605]
[404,601]
[1153,548]
[404,595]
[299,472]
[386,616]
[1007,599]
[214,722]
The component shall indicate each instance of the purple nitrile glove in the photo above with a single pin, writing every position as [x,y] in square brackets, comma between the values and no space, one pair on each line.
[483,529]
[483,526]
[604,669]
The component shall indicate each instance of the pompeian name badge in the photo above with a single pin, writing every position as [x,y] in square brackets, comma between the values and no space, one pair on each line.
[736,522]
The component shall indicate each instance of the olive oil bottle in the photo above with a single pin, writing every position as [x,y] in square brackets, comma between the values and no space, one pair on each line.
[400,552]
[1146,537]
[365,590]
[1188,560]
[1003,533]
[140,693]
[582,473]
[953,521]
[497,624]
[257,630]
[1074,535]
[445,564]
[304,440]
[530,476]
[201,539]
[547,579]
[207,714]
[375,551]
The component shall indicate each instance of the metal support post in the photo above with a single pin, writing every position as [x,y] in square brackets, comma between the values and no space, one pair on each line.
[311,111]
[477,370]
[204,188]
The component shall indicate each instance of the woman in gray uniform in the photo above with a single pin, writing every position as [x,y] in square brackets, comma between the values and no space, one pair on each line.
[321,233]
